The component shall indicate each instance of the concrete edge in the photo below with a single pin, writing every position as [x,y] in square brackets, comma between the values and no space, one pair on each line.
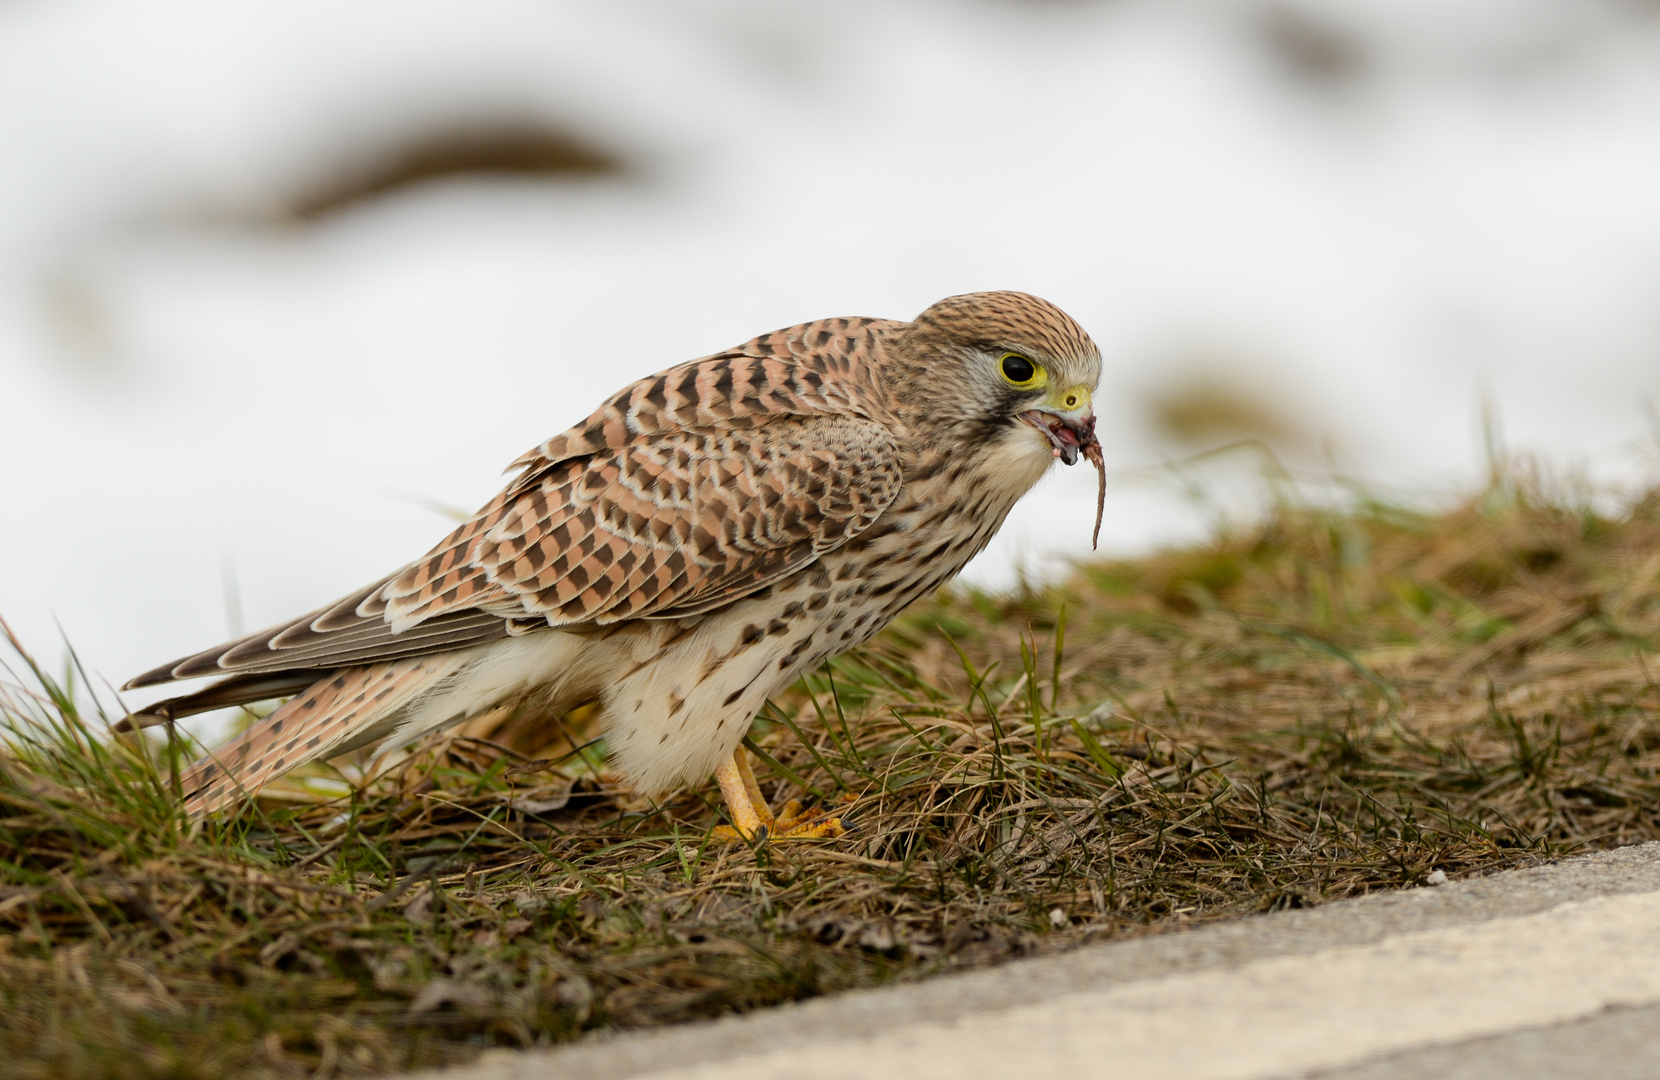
[1219,945]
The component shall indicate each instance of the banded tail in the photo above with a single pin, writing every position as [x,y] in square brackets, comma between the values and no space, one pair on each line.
[341,712]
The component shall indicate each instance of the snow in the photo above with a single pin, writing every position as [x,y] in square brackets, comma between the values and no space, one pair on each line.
[191,394]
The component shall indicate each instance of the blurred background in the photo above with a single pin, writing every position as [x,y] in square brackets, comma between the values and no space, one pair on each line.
[283,282]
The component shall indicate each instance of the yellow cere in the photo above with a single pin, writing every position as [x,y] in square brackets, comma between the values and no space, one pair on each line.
[1076,397]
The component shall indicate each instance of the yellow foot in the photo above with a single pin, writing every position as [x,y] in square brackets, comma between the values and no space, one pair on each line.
[795,823]
[817,828]
[753,820]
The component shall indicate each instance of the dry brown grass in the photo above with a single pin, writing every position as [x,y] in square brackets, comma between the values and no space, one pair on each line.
[1325,705]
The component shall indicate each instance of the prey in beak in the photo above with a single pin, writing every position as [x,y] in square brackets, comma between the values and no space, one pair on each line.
[1072,435]
[1068,434]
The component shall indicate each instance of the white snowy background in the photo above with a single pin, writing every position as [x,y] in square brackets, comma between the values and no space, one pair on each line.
[1350,226]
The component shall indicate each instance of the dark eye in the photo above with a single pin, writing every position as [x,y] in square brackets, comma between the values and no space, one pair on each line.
[1018,369]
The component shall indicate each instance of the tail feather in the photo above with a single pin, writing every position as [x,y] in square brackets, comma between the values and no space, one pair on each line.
[332,715]
[236,690]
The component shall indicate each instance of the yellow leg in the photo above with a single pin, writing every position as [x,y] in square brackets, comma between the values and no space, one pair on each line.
[746,772]
[737,781]
[752,819]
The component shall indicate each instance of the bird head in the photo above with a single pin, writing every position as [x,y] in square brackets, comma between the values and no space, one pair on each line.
[1003,372]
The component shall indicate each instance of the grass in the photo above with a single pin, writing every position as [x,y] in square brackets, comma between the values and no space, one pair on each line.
[1324,705]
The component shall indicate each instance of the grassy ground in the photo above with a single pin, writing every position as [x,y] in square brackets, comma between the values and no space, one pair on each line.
[1329,704]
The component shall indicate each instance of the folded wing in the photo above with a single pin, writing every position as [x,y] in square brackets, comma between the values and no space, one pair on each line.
[667,524]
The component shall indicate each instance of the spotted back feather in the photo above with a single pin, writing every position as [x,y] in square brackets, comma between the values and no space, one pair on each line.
[817,367]
[663,526]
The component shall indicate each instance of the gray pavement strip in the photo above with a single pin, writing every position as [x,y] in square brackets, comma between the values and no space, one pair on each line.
[1218,947]
[1274,1016]
[1616,1044]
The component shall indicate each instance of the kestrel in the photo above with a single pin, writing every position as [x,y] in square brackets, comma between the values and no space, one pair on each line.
[705,537]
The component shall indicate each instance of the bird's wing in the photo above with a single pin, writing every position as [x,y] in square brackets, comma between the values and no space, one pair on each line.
[669,523]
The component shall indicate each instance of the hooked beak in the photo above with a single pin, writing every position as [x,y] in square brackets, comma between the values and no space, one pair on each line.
[1069,433]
